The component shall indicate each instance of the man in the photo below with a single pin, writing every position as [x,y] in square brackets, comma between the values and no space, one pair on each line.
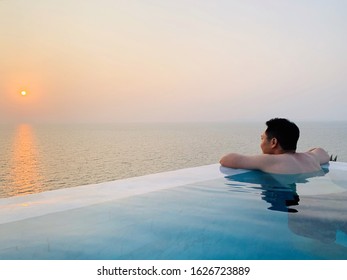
[278,143]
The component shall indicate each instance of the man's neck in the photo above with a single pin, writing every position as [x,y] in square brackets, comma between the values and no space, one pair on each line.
[281,152]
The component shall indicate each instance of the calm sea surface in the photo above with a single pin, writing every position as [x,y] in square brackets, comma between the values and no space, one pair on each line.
[36,158]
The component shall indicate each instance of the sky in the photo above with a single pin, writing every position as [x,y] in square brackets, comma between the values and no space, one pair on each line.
[97,61]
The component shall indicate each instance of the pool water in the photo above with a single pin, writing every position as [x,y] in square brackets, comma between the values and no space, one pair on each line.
[236,215]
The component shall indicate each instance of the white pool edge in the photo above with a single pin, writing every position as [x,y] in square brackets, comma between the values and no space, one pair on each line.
[23,207]
[33,205]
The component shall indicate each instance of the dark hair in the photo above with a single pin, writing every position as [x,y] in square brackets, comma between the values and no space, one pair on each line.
[286,132]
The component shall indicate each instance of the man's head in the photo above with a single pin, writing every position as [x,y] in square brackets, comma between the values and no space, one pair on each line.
[281,136]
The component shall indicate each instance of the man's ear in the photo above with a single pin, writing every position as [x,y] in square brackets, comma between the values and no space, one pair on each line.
[274,142]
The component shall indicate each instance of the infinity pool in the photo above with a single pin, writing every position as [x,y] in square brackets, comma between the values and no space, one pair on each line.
[198,213]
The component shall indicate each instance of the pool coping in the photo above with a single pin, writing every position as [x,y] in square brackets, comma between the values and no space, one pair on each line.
[33,205]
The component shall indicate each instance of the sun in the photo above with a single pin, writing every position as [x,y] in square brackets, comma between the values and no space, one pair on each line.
[23,93]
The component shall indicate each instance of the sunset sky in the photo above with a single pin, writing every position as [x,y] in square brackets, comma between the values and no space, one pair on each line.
[181,60]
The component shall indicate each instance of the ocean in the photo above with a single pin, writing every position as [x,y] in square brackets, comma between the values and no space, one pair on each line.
[37,158]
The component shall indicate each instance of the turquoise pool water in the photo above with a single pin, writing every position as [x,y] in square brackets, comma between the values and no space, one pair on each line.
[234,215]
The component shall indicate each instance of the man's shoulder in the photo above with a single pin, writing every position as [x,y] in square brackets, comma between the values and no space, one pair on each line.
[319,154]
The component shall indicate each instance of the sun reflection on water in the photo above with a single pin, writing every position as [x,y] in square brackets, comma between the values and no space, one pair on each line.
[24,171]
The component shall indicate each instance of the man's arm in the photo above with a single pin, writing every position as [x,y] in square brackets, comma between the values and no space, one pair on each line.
[234,160]
[320,154]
